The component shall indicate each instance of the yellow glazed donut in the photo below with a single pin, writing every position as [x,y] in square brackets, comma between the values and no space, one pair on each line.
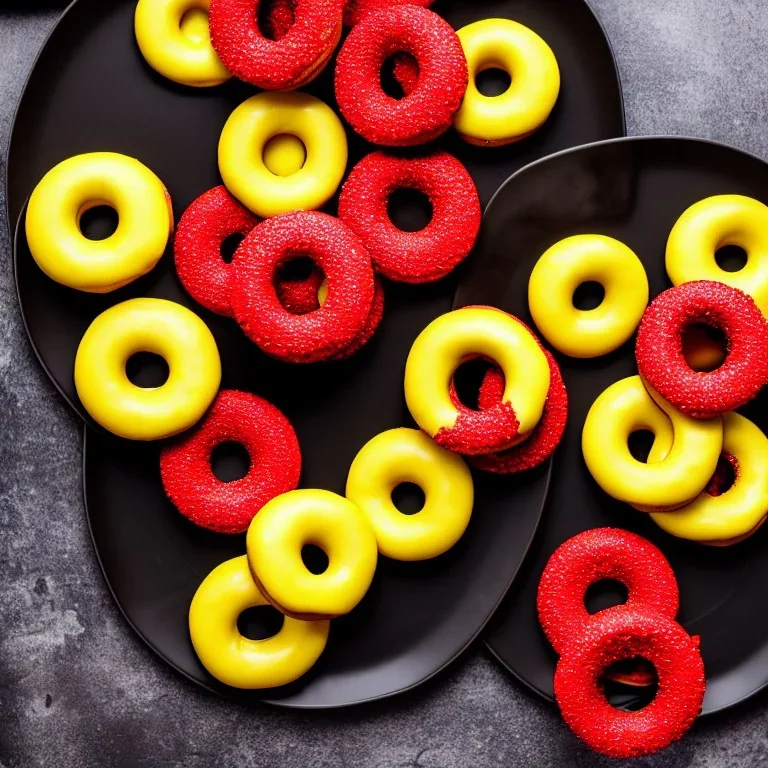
[627,407]
[236,660]
[287,524]
[530,99]
[74,186]
[712,224]
[409,456]
[450,340]
[163,328]
[567,265]
[247,133]
[173,37]
[739,511]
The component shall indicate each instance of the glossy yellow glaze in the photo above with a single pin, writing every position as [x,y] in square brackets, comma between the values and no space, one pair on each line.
[236,660]
[447,341]
[567,265]
[692,447]
[284,155]
[739,510]
[334,524]
[163,328]
[174,39]
[712,224]
[66,192]
[251,127]
[409,456]
[526,105]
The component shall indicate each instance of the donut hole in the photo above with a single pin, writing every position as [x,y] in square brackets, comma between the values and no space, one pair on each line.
[468,379]
[640,443]
[392,81]
[99,222]
[630,684]
[605,593]
[725,475]
[194,26]
[588,296]
[284,155]
[315,559]
[147,370]
[408,498]
[260,622]
[731,258]
[704,347]
[229,245]
[298,283]
[493,82]
[266,22]
[230,461]
[410,210]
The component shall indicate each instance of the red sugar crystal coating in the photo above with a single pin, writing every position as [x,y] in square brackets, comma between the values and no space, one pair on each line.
[355,9]
[371,326]
[280,18]
[344,261]
[299,296]
[275,65]
[406,72]
[428,111]
[413,257]
[205,225]
[189,480]
[725,475]
[479,432]
[601,553]
[660,356]
[614,635]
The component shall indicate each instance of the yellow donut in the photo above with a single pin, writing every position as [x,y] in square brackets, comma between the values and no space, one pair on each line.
[173,37]
[409,456]
[739,511]
[454,337]
[712,224]
[74,186]
[236,660]
[627,407]
[334,524]
[530,99]
[567,265]
[251,127]
[163,328]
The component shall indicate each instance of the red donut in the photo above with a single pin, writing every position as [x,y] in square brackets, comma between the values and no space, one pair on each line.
[354,10]
[428,111]
[189,480]
[619,634]
[280,64]
[413,257]
[602,553]
[344,261]
[662,363]
[371,326]
[203,227]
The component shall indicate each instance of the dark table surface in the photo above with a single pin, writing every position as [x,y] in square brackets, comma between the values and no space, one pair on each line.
[78,688]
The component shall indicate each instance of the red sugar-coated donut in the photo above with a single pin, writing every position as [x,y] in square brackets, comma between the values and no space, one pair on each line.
[428,111]
[354,10]
[280,64]
[347,267]
[660,356]
[589,557]
[371,326]
[618,634]
[203,227]
[413,257]
[189,480]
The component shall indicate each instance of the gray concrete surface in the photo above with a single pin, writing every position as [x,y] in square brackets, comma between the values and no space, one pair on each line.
[78,689]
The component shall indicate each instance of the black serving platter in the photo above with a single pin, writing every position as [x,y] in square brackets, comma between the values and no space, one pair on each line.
[91,90]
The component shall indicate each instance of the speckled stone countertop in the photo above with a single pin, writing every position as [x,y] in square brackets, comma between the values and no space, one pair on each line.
[78,688]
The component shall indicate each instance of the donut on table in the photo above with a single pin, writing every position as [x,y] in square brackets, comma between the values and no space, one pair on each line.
[693,448]
[409,456]
[174,38]
[590,557]
[288,523]
[275,463]
[413,257]
[624,633]
[723,516]
[236,660]
[567,265]
[425,113]
[74,186]
[530,99]
[298,57]
[465,334]
[354,10]
[203,228]
[249,131]
[662,363]
[344,315]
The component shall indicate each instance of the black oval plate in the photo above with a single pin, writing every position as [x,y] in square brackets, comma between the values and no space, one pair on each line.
[90,90]
[633,190]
